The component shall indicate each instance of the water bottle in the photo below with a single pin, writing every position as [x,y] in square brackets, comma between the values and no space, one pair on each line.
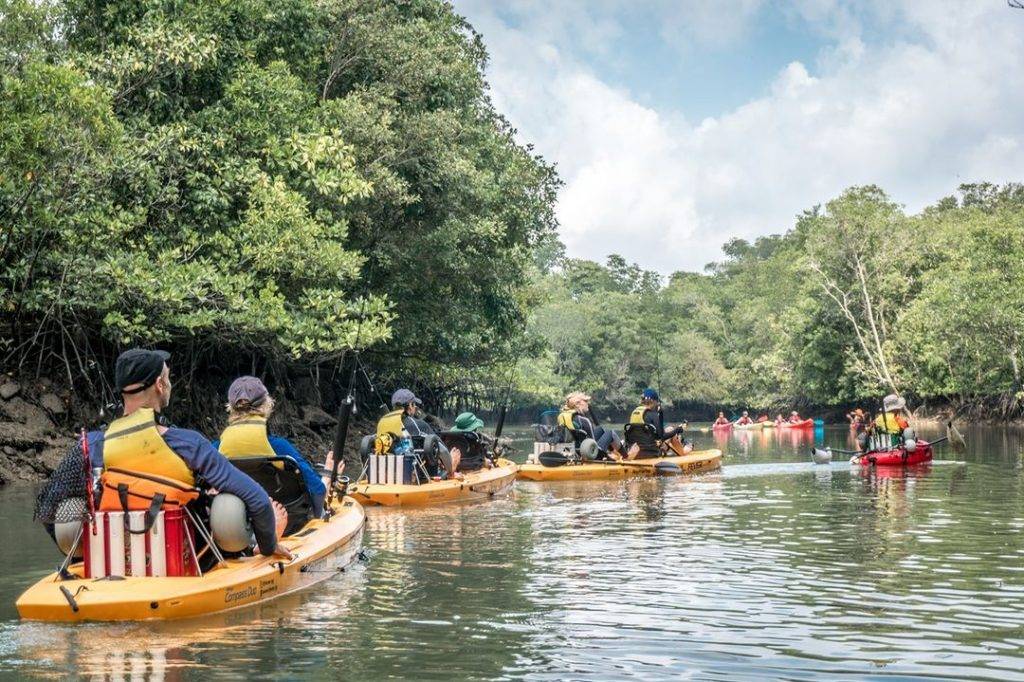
[404,445]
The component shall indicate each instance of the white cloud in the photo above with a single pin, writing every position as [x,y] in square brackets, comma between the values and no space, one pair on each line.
[935,104]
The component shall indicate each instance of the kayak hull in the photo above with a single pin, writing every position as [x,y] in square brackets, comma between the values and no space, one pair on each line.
[899,457]
[323,549]
[692,463]
[805,424]
[481,484]
[754,426]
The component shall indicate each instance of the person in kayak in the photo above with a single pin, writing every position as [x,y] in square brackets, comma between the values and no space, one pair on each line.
[795,418]
[403,422]
[722,420]
[138,442]
[650,412]
[249,407]
[857,420]
[779,421]
[471,443]
[892,419]
[581,424]
[744,419]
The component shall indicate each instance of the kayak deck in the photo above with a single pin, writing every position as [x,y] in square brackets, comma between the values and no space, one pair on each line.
[476,484]
[692,463]
[322,549]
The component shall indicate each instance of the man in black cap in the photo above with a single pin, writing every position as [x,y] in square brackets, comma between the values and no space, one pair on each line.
[404,417]
[138,443]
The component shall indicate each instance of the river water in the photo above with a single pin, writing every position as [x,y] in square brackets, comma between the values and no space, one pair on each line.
[772,568]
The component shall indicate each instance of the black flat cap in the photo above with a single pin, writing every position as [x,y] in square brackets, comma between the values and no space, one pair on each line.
[139,366]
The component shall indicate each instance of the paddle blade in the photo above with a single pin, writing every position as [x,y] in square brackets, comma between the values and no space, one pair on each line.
[667,469]
[956,441]
[819,456]
[552,459]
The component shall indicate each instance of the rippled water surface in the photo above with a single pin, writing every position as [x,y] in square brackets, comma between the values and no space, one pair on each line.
[771,568]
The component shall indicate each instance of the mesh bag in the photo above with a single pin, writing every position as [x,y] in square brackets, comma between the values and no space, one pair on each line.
[67,482]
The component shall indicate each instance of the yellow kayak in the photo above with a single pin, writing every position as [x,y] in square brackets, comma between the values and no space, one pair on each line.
[754,426]
[476,484]
[693,463]
[322,549]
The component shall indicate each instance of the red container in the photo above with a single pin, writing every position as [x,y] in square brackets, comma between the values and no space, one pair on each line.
[164,550]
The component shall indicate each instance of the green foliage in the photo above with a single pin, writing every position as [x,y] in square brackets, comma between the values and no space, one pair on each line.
[260,175]
[858,299]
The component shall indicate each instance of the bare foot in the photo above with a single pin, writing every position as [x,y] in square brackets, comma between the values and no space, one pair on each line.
[280,517]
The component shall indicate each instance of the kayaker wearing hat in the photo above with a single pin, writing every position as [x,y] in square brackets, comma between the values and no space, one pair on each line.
[794,417]
[136,442]
[576,417]
[649,412]
[891,420]
[403,418]
[745,419]
[249,407]
[856,419]
[475,454]
[722,420]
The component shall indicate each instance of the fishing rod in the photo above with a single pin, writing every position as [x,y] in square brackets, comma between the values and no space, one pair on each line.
[345,410]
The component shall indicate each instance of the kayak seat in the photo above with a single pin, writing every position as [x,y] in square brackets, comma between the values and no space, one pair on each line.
[643,436]
[471,445]
[284,485]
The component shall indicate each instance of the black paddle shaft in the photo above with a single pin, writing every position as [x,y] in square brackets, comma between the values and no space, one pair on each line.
[344,416]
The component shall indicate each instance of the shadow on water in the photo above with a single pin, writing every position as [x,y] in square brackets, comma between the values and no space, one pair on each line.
[773,567]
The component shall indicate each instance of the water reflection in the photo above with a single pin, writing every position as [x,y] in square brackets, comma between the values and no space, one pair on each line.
[774,567]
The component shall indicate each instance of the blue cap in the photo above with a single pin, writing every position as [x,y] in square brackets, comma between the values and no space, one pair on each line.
[404,396]
[651,394]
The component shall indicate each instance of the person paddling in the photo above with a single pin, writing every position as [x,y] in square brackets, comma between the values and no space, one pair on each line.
[722,420]
[744,419]
[137,442]
[649,412]
[795,418]
[249,407]
[577,419]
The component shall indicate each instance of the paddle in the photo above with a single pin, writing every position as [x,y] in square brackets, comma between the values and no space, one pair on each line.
[956,441]
[555,459]
[953,436]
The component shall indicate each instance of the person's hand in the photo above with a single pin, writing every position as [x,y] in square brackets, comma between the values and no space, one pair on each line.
[282,552]
[280,517]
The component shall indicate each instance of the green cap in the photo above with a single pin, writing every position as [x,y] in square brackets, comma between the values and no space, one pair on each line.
[467,421]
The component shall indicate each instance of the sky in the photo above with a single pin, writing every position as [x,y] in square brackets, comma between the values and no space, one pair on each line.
[677,125]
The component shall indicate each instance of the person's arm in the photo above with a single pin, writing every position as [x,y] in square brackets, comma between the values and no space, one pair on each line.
[217,471]
[652,419]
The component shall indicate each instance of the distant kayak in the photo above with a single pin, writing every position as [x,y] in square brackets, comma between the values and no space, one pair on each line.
[898,456]
[805,424]
[721,427]
[693,463]
[753,426]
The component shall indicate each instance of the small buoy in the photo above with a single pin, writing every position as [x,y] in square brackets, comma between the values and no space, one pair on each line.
[229,523]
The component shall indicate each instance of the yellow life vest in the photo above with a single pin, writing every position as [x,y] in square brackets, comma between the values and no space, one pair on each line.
[637,416]
[890,423]
[565,419]
[389,430]
[133,443]
[246,438]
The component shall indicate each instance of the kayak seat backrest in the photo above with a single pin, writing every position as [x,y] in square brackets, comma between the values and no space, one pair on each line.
[284,485]
[546,433]
[472,447]
[643,436]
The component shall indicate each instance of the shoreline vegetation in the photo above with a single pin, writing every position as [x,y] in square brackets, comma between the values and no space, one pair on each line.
[257,188]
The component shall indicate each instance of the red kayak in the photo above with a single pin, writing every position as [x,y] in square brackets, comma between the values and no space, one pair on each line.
[722,427]
[898,457]
[805,424]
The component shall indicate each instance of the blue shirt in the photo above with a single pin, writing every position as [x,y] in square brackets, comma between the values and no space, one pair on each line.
[216,471]
[314,484]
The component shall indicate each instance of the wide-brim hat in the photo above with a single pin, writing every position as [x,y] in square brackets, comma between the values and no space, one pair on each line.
[893,402]
[467,421]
